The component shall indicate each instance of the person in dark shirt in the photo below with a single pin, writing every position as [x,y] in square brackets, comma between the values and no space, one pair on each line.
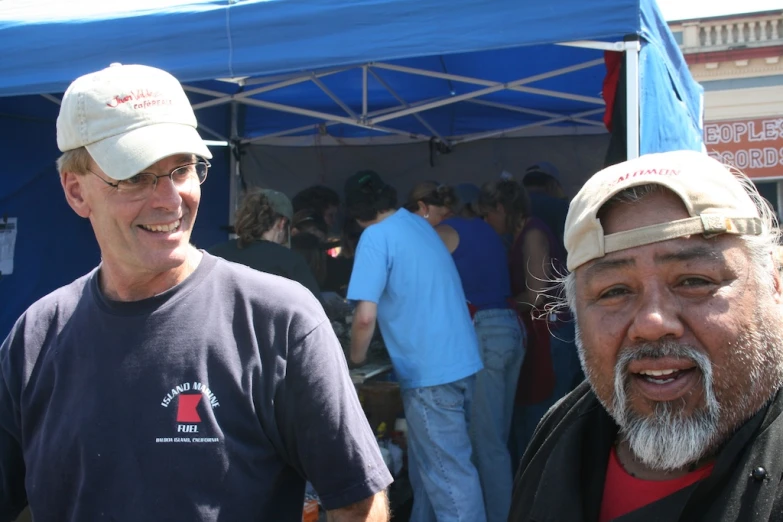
[547,199]
[167,383]
[263,225]
[678,299]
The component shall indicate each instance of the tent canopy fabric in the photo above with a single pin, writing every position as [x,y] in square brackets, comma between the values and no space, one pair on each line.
[349,71]
[321,52]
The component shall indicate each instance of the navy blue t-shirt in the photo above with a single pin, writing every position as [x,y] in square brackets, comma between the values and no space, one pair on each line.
[482,263]
[210,402]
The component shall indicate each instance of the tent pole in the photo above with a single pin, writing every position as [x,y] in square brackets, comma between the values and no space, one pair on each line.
[234,167]
[632,47]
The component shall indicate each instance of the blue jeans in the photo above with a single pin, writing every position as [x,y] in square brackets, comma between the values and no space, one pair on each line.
[445,483]
[568,374]
[501,344]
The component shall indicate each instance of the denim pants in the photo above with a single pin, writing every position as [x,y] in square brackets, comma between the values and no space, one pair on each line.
[501,344]
[445,483]
[568,374]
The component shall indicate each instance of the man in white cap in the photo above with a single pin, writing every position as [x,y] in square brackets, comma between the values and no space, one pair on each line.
[168,384]
[677,297]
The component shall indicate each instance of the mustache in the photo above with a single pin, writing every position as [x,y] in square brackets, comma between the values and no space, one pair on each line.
[656,350]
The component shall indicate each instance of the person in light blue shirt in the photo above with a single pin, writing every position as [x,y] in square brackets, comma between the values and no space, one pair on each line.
[405,278]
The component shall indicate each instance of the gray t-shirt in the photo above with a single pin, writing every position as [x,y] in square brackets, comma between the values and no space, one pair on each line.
[213,401]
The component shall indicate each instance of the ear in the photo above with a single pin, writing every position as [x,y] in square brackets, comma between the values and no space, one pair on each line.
[422,207]
[74,188]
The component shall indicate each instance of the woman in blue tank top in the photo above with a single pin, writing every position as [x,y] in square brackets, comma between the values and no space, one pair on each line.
[481,261]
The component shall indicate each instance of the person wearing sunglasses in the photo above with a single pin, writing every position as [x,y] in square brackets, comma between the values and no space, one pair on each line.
[167,383]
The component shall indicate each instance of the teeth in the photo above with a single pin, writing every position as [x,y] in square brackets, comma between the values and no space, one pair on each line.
[162,228]
[657,373]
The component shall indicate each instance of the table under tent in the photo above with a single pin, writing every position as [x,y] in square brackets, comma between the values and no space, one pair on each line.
[332,79]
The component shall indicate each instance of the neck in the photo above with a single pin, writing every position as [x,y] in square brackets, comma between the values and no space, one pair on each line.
[382,215]
[270,235]
[119,285]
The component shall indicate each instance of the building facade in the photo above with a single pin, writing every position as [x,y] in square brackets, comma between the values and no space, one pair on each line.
[739,61]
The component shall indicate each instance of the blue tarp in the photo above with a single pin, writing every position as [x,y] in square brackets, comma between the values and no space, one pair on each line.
[48,43]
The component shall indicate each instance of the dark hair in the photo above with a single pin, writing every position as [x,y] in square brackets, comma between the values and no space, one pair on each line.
[430,193]
[511,195]
[318,198]
[310,221]
[254,217]
[310,247]
[369,197]
[350,237]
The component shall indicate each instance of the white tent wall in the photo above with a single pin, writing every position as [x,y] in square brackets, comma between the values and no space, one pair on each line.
[290,169]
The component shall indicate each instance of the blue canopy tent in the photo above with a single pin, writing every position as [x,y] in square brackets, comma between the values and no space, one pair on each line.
[361,71]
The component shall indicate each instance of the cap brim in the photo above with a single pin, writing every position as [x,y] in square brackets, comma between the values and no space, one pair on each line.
[125,155]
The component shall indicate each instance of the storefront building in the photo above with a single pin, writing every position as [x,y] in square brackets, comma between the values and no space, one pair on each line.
[739,61]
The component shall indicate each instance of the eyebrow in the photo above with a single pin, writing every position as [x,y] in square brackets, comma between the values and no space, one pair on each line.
[701,252]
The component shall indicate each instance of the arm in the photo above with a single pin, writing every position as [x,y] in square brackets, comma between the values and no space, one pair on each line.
[449,236]
[362,330]
[13,497]
[536,248]
[373,509]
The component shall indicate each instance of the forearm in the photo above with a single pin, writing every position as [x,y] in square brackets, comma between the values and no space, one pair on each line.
[361,335]
[372,509]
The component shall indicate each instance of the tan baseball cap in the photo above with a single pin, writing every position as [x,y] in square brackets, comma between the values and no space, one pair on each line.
[712,194]
[128,117]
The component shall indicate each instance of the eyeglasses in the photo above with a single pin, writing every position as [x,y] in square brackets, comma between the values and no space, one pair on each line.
[143,184]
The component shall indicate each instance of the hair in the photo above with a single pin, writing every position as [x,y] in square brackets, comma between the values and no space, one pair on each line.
[77,161]
[430,193]
[349,238]
[511,195]
[254,217]
[310,221]
[370,198]
[318,198]
[762,249]
[310,247]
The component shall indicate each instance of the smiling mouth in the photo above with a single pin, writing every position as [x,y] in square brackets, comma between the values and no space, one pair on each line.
[170,227]
[664,376]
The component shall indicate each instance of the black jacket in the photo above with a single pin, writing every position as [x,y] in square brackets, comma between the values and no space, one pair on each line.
[561,477]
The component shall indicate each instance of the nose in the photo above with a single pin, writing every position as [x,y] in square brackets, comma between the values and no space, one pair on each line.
[166,194]
[657,316]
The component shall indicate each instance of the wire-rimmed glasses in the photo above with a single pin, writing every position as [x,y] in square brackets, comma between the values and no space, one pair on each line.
[143,184]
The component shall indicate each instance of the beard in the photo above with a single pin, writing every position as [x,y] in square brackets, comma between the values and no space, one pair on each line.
[671,438]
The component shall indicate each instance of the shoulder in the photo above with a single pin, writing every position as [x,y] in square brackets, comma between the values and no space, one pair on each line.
[561,415]
[277,297]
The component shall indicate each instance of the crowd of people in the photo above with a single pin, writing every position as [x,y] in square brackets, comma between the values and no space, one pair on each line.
[171,384]
[458,278]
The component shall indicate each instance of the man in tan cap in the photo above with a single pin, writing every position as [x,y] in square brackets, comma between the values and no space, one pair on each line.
[263,229]
[677,297]
[169,384]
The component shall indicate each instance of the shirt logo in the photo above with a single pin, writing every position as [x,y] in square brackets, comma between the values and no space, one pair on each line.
[187,397]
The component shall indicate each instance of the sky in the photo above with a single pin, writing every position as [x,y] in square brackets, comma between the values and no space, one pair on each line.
[685,9]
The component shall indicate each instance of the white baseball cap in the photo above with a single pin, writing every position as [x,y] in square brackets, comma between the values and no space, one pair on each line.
[128,117]
[711,193]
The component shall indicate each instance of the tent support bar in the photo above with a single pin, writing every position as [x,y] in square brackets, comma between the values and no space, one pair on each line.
[407,106]
[287,132]
[53,99]
[600,46]
[212,132]
[517,85]
[336,99]
[632,96]
[364,92]
[534,112]
[492,134]
[289,76]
